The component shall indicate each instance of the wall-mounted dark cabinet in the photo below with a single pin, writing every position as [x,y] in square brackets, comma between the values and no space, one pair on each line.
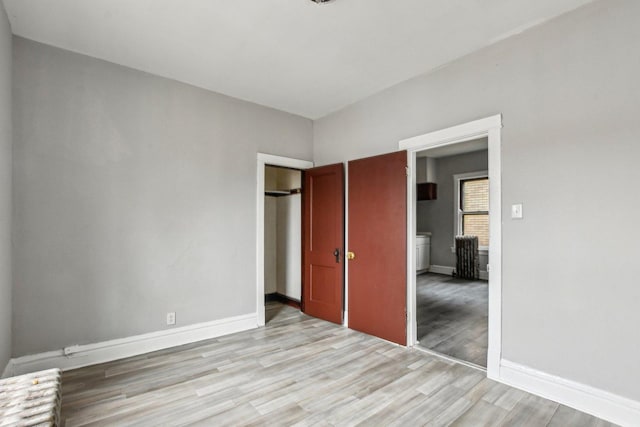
[427,191]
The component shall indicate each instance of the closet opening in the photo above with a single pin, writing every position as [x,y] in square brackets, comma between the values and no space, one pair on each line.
[282,239]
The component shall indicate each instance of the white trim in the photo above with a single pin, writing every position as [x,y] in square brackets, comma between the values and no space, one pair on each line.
[412,327]
[494,353]
[461,133]
[597,402]
[457,213]
[442,269]
[446,270]
[484,250]
[450,358]
[345,295]
[78,356]
[263,160]
[489,127]
[7,370]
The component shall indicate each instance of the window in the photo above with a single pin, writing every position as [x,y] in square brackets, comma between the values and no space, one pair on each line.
[472,206]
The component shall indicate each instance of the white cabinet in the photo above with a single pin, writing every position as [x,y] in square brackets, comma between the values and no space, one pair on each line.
[423,251]
[419,257]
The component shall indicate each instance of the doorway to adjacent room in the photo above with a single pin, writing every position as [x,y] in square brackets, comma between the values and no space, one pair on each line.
[438,292]
[452,223]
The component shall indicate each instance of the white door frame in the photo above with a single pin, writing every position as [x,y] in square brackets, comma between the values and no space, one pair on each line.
[263,160]
[489,127]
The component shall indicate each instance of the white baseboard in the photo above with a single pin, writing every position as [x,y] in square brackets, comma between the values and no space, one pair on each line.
[441,269]
[7,370]
[599,403]
[78,356]
[446,270]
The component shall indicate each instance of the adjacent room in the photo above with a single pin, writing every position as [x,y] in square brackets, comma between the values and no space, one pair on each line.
[335,212]
[452,216]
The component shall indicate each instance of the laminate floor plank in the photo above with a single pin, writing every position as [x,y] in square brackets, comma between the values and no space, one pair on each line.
[481,414]
[565,416]
[531,411]
[452,316]
[300,371]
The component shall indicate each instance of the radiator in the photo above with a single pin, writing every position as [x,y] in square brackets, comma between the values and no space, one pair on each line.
[467,263]
[31,399]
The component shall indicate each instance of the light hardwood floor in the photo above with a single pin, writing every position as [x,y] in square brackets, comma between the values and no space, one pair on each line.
[299,371]
[452,316]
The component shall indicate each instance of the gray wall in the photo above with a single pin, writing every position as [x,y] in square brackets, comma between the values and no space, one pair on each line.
[436,216]
[134,196]
[5,188]
[289,246]
[568,91]
[270,241]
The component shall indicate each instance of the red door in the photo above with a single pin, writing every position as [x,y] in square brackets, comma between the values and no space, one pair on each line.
[378,241]
[322,242]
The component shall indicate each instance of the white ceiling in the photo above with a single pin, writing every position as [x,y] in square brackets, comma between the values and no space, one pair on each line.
[294,55]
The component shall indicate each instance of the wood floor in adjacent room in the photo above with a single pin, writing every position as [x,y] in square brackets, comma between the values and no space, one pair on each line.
[299,371]
[452,316]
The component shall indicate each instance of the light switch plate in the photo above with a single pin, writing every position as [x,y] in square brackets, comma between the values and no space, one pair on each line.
[516,211]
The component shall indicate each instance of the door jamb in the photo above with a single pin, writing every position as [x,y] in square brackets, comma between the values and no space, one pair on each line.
[489,127]
[263,160]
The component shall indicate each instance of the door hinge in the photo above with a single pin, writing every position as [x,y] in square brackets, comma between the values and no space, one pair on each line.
[407,170]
